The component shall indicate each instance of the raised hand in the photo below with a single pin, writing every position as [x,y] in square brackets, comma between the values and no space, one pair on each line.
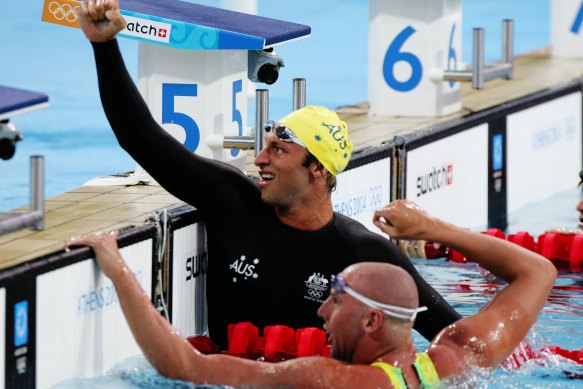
[403,219]
[100,20]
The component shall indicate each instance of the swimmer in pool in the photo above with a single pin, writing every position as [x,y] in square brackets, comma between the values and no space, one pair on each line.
[369,316]
[284,224]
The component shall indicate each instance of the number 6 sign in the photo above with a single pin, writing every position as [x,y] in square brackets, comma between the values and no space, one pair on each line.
[566,28]
[407,39]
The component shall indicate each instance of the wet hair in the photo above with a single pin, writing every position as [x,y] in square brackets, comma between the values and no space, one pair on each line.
[330,178]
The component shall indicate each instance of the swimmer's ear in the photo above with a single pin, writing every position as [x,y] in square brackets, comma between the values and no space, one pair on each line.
[318,171]
[373,320]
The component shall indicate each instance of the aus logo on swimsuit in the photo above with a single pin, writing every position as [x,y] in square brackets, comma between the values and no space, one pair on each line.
[244,269]
[317,286]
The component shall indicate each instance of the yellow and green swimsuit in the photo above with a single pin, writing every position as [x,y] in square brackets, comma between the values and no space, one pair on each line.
[424,367]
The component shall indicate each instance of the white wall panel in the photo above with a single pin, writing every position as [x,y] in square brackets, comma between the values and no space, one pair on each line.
[360,191]
[188,280]
[543,150]
[448,177]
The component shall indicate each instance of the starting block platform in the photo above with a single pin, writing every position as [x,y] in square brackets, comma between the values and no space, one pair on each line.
[15,101]
[185,25]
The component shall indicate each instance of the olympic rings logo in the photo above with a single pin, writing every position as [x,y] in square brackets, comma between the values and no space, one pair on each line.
[65,11]
[315,293]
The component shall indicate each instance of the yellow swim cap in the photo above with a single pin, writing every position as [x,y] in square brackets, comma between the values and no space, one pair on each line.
[325,135]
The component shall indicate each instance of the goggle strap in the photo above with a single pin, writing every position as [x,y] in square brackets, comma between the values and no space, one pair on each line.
[391,310]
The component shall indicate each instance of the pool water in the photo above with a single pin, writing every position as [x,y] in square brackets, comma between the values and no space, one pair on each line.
[466,287]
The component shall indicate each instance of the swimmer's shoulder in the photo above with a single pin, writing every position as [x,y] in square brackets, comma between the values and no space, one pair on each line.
[365,242]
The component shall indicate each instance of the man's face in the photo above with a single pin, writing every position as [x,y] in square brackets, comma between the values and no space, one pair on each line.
[343,316]
[284,179]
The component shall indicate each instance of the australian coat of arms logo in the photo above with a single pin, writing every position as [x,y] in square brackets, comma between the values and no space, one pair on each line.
[317,285]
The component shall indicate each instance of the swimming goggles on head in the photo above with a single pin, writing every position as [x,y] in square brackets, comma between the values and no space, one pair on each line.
[340,285]
[283,133]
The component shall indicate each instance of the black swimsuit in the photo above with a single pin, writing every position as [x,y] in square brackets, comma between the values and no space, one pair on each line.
[259,269]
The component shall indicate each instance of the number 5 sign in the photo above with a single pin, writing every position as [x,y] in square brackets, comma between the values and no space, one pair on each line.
[197,95]
[407,39]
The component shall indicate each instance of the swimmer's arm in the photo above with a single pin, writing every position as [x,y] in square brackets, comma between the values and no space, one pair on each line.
[211,186]
[160,342]
[174,357]
[305,373]
[492,334]
[199,181]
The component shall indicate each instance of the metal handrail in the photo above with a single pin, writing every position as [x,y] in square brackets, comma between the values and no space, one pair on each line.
[299,96]
[257,142]
[481,72]
[34,217]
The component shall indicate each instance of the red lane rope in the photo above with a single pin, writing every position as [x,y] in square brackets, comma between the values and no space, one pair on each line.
[564,249]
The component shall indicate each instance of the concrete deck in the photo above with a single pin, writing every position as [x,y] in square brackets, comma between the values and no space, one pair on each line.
[81,211]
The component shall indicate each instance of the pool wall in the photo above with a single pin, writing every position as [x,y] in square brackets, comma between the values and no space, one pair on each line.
[62,316]
[474,171]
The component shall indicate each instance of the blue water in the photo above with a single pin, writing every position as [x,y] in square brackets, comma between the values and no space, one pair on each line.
[73,133]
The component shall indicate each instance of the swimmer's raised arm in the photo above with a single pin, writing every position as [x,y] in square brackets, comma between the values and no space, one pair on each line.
[489,336]
[136,130]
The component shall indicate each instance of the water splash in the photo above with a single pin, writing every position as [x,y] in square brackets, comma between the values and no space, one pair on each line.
[134,372]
